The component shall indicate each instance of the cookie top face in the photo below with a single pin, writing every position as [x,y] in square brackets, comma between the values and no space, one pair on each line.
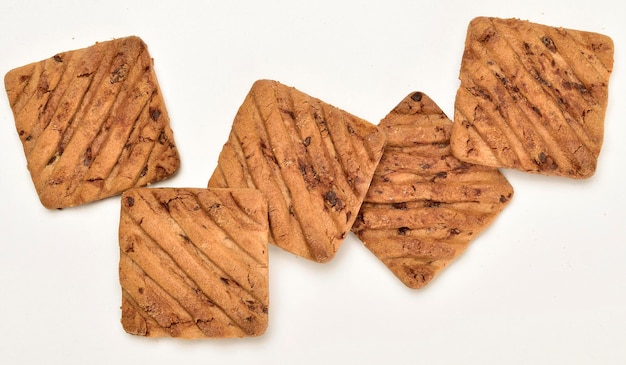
[313,162]
[194,262]
[424,206]
[92,122]
[532,97]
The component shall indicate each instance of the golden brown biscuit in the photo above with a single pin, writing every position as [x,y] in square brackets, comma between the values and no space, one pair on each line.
[532,97]
[193,262]
[313,161]
[424,206]
[92,122]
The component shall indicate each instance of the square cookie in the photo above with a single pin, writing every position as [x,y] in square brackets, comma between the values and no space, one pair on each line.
[313,162]
[92,122]
[425,206]
[532,97]
[194,262]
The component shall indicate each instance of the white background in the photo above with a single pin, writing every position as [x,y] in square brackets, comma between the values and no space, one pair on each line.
[545,284]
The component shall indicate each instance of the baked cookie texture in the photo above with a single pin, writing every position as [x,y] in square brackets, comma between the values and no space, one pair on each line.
[424,205]
[532,97]
[92,122]
[313,162]
[194,262]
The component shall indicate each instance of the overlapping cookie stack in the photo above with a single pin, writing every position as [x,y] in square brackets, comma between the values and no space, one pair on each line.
[301,174]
